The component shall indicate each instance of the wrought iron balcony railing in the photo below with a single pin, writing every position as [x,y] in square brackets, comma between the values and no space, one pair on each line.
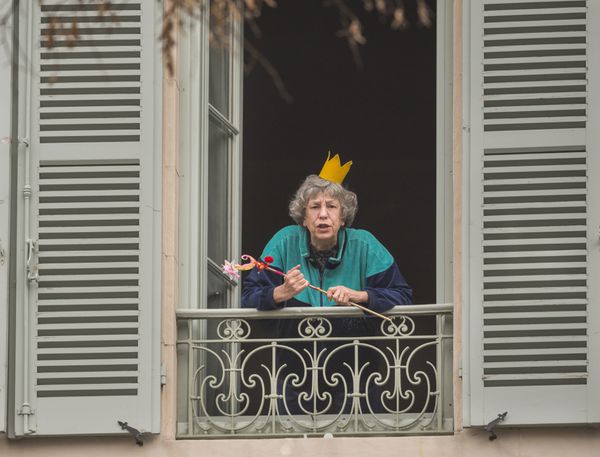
[314,371]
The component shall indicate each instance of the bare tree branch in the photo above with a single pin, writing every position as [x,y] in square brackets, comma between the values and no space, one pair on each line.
[222,12]
[351,28]
[270,69]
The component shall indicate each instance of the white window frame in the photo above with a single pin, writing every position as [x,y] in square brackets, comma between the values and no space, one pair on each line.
[195,114]
[444,186]
[444,146]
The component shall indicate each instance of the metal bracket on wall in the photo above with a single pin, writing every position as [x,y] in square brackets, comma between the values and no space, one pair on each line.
[490,427]
[137,435]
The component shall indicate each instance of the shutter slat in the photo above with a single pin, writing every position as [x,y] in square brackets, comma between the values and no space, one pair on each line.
[108,206]
[571,204]
[527,193]
[516,86]
[491,41]
[537,156]
[88,290]
[533,74]
[84,351]
[87,231]
[534,99]
[541,339]
[518,244]
[501,47]
[557,252]
[90,256]
[88,219]
[524,14]
[85,182]
[89,194]
[57,315]
[525,168]
[56,268]
[494,63]
[539,219]
[535,363]
[522,324]
[84,340]
[537,351]
[527,231]
[543,277]
[534,377]
[98,374]
[549,268]
[104,276]
[527,27]
[492,306]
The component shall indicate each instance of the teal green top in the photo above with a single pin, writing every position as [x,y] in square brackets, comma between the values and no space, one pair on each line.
[364,257]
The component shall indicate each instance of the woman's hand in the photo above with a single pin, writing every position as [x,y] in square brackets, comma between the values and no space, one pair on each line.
[344,295]
[293,283]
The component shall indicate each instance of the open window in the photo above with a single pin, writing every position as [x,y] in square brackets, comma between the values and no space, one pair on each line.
[402,177]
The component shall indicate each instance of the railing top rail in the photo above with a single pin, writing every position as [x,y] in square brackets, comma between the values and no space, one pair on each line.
[301,312]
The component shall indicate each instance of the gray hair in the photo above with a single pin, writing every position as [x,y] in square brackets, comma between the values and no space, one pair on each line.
[314,185]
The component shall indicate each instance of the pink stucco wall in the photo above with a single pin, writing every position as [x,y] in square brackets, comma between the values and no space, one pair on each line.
[555,442]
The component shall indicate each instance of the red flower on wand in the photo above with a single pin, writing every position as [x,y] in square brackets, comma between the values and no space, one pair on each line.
[232,268]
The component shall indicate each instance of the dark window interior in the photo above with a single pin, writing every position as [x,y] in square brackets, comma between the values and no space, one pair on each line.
[381,116]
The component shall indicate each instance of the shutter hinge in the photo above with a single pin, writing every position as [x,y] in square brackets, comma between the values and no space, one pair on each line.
[28,418]
[25,410]
[32,269]
[163,374]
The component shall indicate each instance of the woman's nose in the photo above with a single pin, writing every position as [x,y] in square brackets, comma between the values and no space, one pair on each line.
[323,212]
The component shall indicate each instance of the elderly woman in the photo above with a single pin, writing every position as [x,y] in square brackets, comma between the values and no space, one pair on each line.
[322,249]
[352,266]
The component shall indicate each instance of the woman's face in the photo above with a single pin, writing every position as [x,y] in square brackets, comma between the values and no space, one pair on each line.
[323,219]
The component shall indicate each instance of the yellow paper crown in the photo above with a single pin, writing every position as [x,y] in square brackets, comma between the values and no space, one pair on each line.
[333,170]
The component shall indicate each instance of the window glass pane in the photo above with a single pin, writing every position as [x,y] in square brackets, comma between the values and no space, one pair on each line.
[219,80]
[218,195]
[216,291]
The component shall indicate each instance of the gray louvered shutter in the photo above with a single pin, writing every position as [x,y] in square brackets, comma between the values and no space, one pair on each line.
[532,316]
[90,358]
